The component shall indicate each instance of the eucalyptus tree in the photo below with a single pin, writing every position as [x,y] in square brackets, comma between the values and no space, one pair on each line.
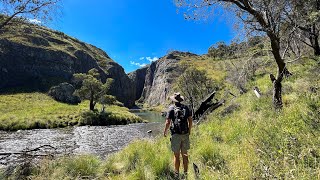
[39,10]
[261,16]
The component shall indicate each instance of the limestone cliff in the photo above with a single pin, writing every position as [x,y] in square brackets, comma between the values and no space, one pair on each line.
[153,84]
[34,58]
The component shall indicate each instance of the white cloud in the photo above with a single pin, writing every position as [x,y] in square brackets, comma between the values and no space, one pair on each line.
[35,21]
[152,59]
[138,64]
[142,58]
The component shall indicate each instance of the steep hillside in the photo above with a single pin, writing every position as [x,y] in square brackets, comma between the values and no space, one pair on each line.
[34,58]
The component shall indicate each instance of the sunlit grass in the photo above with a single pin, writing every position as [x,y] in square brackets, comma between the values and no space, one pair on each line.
[37,110]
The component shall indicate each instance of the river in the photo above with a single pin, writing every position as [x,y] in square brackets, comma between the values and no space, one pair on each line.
[97,140]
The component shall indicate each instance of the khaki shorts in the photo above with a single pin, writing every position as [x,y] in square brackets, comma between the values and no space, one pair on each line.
[180,142]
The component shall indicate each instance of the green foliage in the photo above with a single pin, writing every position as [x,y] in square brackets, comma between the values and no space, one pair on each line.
[195,85]
[92,88]
[221,50]
[109,100]
[113,116]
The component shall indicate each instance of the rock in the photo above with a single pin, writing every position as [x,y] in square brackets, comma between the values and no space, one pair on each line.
[64,93]
[138,78]
[257,92]
[153,84]
[35,58]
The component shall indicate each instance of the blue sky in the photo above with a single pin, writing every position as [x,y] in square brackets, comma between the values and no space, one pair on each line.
[135,32]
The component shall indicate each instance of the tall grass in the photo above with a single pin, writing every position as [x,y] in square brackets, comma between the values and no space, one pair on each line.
[37,110]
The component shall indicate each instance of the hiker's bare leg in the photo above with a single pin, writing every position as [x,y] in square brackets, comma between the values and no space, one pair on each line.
[185,161]
[176,161]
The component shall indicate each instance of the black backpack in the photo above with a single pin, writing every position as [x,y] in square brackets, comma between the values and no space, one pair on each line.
[179,124]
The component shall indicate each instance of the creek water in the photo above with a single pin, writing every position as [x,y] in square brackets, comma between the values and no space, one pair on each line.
[98,140]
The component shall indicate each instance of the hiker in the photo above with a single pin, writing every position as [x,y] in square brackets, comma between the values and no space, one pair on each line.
[179,120]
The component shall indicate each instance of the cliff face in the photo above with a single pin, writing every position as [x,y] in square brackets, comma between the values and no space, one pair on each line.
[34,58]
[158,78]
[138,78]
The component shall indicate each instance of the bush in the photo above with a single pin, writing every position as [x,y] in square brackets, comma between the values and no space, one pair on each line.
[89,118]
[114,115]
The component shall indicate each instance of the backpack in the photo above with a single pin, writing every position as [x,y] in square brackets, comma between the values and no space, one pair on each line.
[179,123]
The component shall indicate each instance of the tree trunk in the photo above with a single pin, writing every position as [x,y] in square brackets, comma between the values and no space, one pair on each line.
[204,106]
[277,96]
[282,70]
[91,105]
[314,40]
[6,22]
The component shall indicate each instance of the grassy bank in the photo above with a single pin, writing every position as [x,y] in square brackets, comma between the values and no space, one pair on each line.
[36,110]
[245,139]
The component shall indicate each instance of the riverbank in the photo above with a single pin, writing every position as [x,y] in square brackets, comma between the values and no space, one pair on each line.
[39,111]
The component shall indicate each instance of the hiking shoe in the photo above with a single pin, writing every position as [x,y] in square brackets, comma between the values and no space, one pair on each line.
[176,175]
[184,175]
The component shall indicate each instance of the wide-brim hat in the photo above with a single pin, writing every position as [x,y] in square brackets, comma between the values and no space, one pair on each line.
[177,97]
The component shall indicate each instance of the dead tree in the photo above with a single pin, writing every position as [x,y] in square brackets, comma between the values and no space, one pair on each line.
[207,106]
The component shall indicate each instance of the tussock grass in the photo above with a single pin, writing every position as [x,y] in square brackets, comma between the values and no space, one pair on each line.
[85,166]
[37,110]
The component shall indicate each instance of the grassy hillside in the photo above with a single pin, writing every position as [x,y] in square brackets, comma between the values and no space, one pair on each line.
[36,110]
[245,139]
[33,35]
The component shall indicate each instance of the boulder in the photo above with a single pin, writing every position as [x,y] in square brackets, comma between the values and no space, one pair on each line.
[64,93]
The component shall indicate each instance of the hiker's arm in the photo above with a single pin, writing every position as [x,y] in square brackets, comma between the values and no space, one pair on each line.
[190,123]
[168,121]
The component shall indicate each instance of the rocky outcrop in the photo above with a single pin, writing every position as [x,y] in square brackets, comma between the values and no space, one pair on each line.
[138,78]
[34,58]
[122,86]
[159,78]
[64,93]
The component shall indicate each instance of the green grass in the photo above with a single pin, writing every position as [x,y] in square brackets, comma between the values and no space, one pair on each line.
[37,110]
[25,33]
[245,139]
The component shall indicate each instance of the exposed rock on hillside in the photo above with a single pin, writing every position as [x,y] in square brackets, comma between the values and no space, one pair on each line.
[153,84]
[35,58]
[138,78]
[64,93]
